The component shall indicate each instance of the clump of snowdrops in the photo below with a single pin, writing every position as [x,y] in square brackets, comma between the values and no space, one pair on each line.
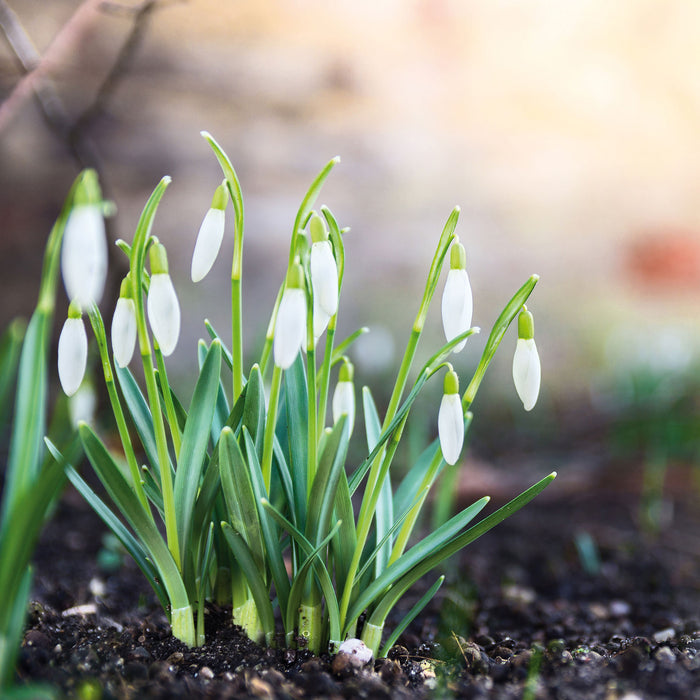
[250,479]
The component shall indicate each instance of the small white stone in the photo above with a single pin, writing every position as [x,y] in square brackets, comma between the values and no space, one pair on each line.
[665,635]
[97,587]
[357,651]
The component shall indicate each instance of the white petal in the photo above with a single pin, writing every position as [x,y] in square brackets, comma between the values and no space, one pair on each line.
[527,372]
[84,256]
[290,328]
[321,319]
[164,312]
[451,427]
[344,403]
[324,276]
[124,331]
[457,306]
[209,238]
[72,355]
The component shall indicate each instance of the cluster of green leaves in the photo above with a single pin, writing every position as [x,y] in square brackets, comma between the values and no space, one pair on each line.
[254,493]
[32,478]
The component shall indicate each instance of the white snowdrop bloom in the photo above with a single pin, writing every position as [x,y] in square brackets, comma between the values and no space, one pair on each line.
[323,267]
[321,319]
[324,276]
[162,305]
[527,371]
[457,301]
[72,352]
[210,235]
[290,326]
[163,312]
[124,331]
[344,396]
[84,255]
[451,420]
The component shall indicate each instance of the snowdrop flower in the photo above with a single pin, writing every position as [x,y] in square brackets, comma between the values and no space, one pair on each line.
[526,362]
[457,302]
[344,396]
[210,235]
[290,326]
[72,351]
[124,325]
[451,420]
[324,270]
[162,305]
[84,251]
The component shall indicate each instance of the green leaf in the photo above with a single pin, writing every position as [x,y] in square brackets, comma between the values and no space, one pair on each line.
[275,559]
[228,358]
[240,499]
[140,414]
[234,185]
[297,413]
[345,541]
[253,418]
[412,614]
[10,347]
[222,410]
[13,631]
[256,583]
[435,542]
[330,464]
[194,444]
[130,507]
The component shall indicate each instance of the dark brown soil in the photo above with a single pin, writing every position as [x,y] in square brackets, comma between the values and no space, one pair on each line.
[519,617]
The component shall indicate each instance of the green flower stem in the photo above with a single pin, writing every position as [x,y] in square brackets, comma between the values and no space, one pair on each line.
[270,426]
[312,417]
[237,331]
[136,265]
[270,333]
[175,433]
[324,377]
[101,338]
[246,615]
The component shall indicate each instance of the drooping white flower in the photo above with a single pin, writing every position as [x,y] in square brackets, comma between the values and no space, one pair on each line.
[84,255]
[162,305]
[321,319]
[124,326]
[527,371]
[451,420]
[290,326]
[344,396]
[210,235]
[324,269]
[72,351]
[457,302]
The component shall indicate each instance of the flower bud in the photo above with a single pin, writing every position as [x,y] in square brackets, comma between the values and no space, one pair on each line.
[210,235]
[84,250]
[451,420]
[527,371]
[162,305]
[344,396]
[457,302]
[324,270]
[290,326]
[124,325]
[72,351]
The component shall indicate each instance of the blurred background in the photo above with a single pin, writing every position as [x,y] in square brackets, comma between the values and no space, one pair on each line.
[567,132]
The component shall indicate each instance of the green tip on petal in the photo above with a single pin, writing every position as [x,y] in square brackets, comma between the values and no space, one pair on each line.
[159,259]
[317,229]
[347,372]
[220,198]
[458,256]
[451,383]
[295,276]
[126,288]
[74,310]
[88,189]
[526,325]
